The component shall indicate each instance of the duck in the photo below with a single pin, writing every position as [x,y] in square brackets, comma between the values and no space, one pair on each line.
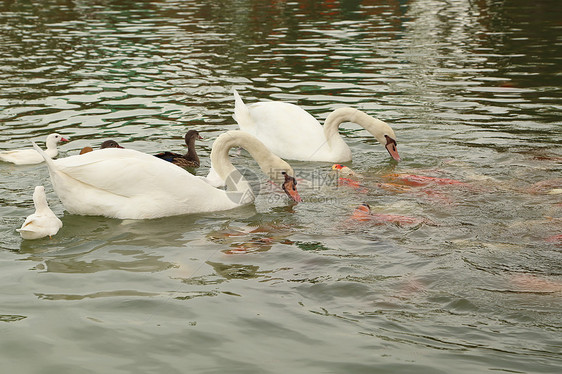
[43,222]
[128,184]
[293,134]
[110,144]
[105,144]
[190,159]
[86,150]
[30,156]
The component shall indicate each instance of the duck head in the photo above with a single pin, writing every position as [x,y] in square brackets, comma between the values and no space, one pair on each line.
[110,144]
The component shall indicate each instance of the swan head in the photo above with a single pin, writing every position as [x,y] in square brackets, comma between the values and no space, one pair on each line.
[390,145]
[278,170]
[385,135]
[379,129]
[282,174]
[290,187]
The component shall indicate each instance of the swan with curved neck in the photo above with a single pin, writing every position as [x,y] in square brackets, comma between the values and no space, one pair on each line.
[127,184]
[292,133]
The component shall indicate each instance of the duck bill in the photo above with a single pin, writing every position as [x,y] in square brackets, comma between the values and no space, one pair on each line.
[290,188]
[392,151]
[63,139]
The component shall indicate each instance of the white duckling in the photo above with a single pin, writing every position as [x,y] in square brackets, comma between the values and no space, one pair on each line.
[31,156]
[43,222]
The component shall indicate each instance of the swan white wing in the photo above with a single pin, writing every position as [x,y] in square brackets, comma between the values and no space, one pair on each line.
[124,183]
[288,131]
[123,171]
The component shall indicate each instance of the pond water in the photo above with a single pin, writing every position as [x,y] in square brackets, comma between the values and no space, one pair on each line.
[473,284]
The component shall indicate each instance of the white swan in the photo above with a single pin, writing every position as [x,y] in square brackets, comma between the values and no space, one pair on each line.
[292,133]
[127,184]
[30,156]
[41,223]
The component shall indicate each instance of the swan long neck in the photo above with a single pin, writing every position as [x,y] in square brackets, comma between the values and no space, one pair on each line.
[269,163]
[375,126]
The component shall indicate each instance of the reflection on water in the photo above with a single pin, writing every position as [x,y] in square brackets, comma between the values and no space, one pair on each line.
[255,238]
[235,271]
[122,293]
[472,89]
[136,260]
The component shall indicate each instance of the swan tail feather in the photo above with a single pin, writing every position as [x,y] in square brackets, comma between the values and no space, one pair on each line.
[241,112]
[48,159]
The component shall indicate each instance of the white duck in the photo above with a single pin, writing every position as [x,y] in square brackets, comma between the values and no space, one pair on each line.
[292,133]
[127,184]
[43,222]
[30,156]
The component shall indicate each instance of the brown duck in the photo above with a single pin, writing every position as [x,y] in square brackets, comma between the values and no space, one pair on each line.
[190,159]
[105,144]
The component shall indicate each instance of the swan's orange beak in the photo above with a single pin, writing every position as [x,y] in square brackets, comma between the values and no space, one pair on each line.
[290,188]
[391,148]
